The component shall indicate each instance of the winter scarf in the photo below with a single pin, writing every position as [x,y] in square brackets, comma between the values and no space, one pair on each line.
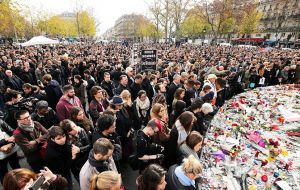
[143,105]
[183,179]
[28,128]
[182,134]
[102,165]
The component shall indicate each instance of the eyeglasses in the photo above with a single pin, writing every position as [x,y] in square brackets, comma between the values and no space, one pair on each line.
[26,118]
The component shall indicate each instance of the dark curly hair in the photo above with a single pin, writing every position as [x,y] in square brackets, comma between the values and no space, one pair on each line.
[151,177]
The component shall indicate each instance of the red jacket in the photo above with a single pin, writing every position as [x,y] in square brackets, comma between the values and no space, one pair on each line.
[63,107]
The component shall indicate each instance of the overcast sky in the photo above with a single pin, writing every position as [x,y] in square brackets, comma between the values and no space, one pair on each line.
[105,11]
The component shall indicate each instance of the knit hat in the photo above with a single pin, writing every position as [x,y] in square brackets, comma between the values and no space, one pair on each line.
[42,104]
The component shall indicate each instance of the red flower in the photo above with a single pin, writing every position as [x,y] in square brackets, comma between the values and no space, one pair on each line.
[264,178]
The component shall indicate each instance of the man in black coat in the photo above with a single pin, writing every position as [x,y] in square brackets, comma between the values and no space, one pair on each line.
[12,81]
[45,115]
[27,76]
[116,74]
[136,86]
[171,91]
[106,128]
[195,108]
[107,85]
[189,92]
[148,85]
[123,85]
[130,75]
[52,89]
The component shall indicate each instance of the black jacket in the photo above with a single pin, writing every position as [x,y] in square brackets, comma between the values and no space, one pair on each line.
[134,89]
[48,120]
[114,139]
[83,143]
[123,124]
[36,94]
[54,93]
[199,124]
[13,82]
[146,85]
[144,146]
[27,77]
[171,91]
[189,95]
[171,148]
[90,84]
[221,97]
[108,86]
[173,182]
[120,88]
[58,158]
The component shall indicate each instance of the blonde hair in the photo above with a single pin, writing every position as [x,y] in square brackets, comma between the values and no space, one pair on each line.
[126,96]
[105,180]
[192,165]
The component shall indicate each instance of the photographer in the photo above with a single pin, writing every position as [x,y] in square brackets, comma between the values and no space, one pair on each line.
[16,102]
[31,91]
[147,152]
[24,179]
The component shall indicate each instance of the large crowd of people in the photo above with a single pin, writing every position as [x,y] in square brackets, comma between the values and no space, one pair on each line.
[84,109]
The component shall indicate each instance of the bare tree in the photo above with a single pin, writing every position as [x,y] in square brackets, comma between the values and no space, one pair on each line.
[179,10]
[161,10]
[155,9]
[222,16]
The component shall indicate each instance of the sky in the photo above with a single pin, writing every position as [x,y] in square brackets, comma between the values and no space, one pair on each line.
[106,12]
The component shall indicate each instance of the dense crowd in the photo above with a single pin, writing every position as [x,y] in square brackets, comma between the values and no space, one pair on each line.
[84,109]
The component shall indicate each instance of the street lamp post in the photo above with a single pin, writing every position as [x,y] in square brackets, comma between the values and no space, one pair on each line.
[203,31]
